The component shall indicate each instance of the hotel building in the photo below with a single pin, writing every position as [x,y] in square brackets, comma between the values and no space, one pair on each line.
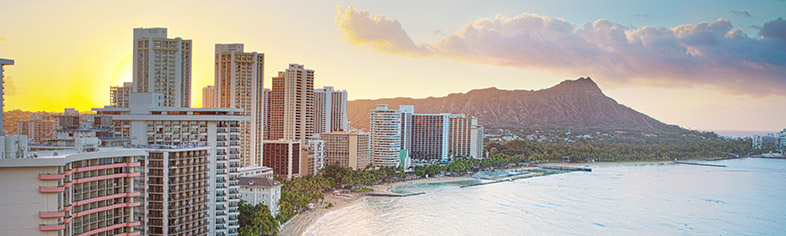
[292,104]
[385,137]
[175,180]
[348,149]
[3,63]
[430,136]
[261,190]
[69,193]
[147,122]
[330,110]
[239,77]
[162,65]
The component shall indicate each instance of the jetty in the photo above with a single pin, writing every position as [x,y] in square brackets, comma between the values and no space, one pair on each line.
[698,164]
[394,194]
[567,168]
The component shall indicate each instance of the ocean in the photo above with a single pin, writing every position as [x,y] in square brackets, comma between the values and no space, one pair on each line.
[747,197]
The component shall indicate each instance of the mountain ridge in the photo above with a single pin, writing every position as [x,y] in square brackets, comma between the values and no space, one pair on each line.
[578,103]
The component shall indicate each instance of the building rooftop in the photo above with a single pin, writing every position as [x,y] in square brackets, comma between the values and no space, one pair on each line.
[257,182]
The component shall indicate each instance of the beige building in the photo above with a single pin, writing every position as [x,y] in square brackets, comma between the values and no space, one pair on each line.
[348,149]
[38,128]
[118,95]
[162,65]
[69,193]
[239,77]
[209,96]
[292,104]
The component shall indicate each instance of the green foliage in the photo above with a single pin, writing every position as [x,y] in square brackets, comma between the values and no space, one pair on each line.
[256,220]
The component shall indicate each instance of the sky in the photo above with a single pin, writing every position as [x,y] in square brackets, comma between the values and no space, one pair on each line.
[706,65]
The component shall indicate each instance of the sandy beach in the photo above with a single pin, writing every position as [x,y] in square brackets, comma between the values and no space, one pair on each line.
[305,219]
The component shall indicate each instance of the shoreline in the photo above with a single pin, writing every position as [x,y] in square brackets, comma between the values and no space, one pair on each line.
[303,221]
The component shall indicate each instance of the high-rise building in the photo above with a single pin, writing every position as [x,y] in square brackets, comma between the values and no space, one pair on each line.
[175,196]
[118,95]
[162,65]
[466,136]
[209,96]
[348,149]
[147,122]
[430,136]
[385,137]
[70,193]
[239,77]
[330,110]
[283,156]
[266,103]
[3,63]
[292,104]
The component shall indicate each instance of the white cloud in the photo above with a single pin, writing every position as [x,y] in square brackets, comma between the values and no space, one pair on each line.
[705,54]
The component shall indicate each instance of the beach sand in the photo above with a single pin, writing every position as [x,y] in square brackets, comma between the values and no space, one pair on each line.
[305,219]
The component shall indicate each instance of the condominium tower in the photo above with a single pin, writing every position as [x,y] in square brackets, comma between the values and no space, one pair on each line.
[162,65]
[330,110]
[3,63]
[118,95]
[292,104]
[239,77]
[347,149]
[385,137]
[146,122]
[209,96]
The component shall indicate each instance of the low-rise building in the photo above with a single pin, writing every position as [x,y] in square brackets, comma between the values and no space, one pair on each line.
[261,190]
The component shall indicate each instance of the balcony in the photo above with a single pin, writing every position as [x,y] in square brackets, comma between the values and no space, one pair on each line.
[51,189]
[51,214]
[51,176]
[51,227]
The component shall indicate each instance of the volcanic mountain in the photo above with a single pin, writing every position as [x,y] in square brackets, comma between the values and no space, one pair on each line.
[571,104]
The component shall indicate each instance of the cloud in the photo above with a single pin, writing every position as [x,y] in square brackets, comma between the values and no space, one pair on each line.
[741,13]
[775,29]
[381,32]
[705,54]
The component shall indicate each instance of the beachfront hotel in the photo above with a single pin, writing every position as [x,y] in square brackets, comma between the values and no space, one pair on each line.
[148,122]
[347,149]
[162,65]
[261,190]
[385,137]
[292,104]
[238,81]
[69,193]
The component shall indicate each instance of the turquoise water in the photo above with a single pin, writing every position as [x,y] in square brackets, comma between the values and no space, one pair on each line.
[748,197]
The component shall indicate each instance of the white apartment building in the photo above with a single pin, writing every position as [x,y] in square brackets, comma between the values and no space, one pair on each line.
[148,122]
[239,77]
[162,65]
[292,104]
[385,137]
[261,190]
[330,110]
